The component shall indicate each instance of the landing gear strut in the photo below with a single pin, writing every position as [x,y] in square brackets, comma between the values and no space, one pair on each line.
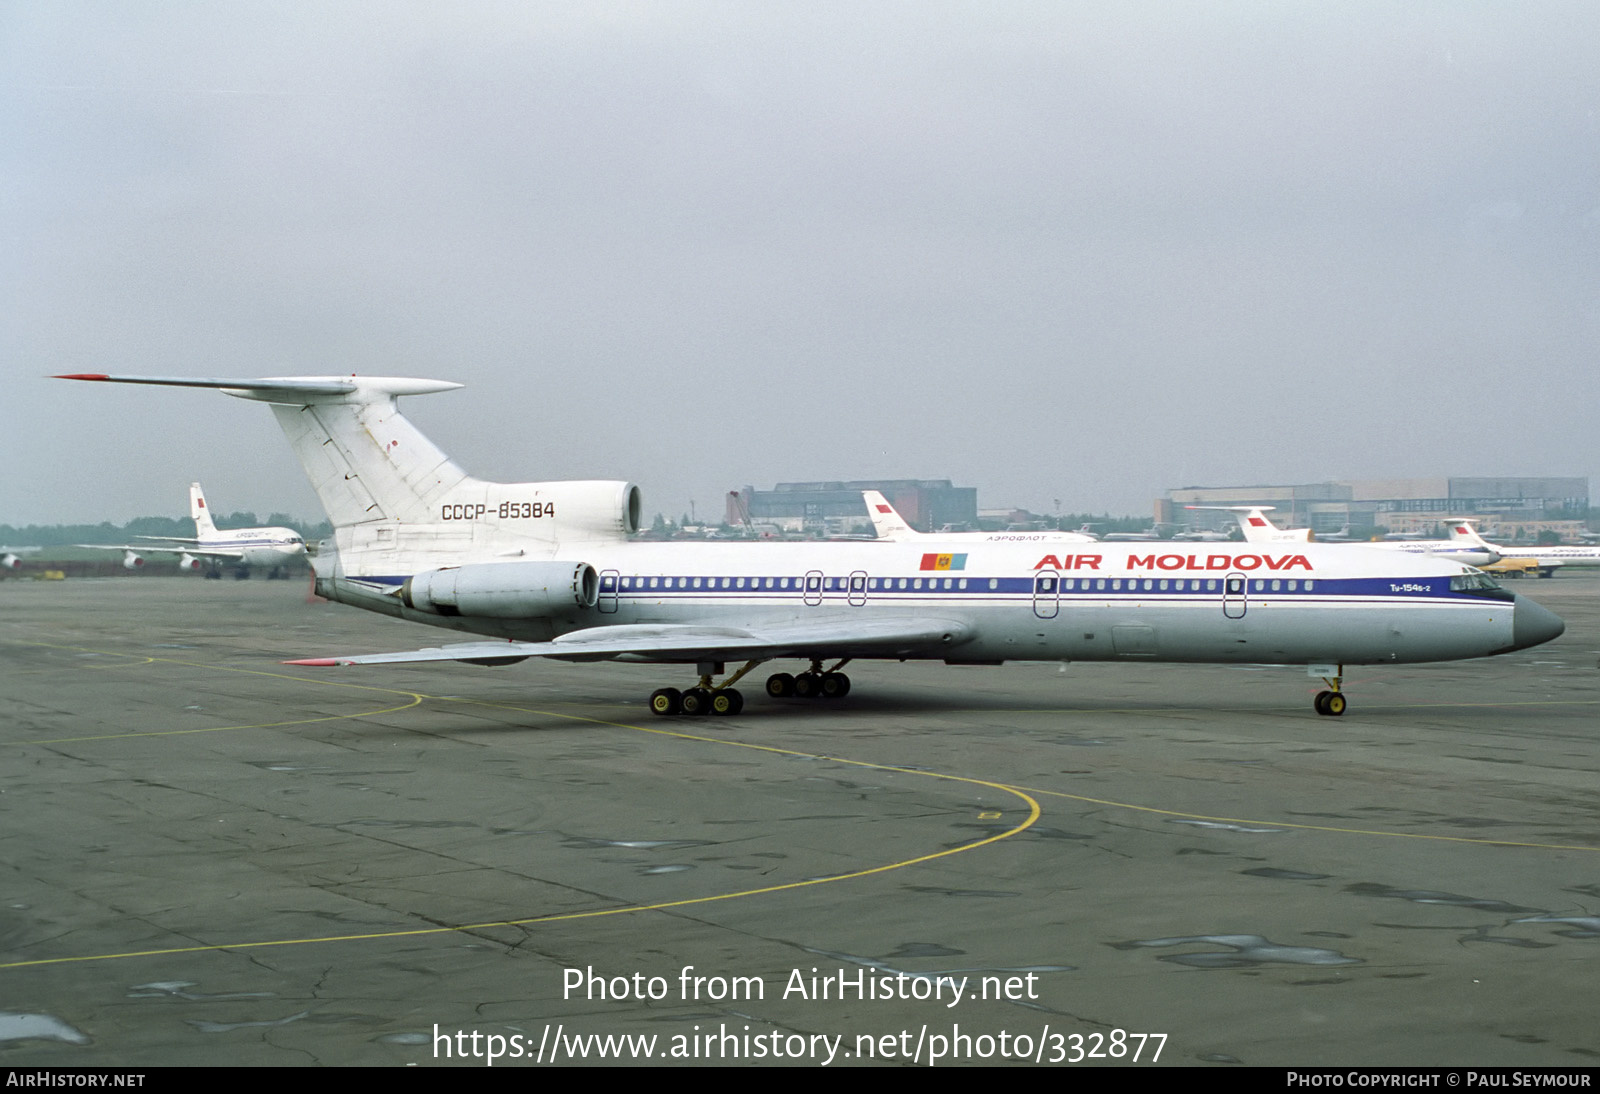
[704,698]
[1331,702]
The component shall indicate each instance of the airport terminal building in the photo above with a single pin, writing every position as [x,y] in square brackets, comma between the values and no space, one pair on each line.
[1509,508]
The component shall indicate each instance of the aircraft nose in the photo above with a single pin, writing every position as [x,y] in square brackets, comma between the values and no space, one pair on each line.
[1533,623]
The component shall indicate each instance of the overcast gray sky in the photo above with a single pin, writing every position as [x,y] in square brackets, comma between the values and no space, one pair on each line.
[1075,251]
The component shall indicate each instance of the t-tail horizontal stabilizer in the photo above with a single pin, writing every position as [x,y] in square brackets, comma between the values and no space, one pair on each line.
[288,389]
[366,462]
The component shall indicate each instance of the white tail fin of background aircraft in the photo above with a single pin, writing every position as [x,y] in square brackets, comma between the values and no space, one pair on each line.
[886,519]
[1465,530]
[1255,525]
[890,526]
[203,526]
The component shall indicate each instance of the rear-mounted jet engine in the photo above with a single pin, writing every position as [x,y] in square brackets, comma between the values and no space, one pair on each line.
[504,590]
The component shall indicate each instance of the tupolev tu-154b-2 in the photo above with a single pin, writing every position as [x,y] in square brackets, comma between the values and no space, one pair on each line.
[552,569]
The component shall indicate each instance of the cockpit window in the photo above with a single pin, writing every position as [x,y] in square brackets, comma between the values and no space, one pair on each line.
[1478,583]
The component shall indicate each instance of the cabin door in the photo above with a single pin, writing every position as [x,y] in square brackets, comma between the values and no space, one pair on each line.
[858,588]
[813,588]
[1235,595]
[1046,594]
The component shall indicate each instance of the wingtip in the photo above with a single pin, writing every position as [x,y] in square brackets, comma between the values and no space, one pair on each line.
[317,662]
[81,376]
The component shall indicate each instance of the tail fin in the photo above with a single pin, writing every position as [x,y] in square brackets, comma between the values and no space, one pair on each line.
[203,525]
[886,520]
[1464,530]
[1255,525]
[365,461]
[370,466]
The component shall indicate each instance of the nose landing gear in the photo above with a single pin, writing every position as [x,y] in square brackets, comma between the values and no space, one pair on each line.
[1331,703]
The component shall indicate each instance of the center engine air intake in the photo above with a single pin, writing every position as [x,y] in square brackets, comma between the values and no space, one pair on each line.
[504,590]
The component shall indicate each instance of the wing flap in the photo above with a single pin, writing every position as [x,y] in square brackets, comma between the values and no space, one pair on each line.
[692,643]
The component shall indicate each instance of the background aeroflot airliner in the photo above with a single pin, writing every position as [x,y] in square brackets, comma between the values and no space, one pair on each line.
[246,548]
[548,569]
[1549,557]
[1464,545]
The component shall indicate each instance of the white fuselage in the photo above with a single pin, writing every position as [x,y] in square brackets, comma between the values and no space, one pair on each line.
[1465,553]
[1566,554]
[1011,601]
[258,547]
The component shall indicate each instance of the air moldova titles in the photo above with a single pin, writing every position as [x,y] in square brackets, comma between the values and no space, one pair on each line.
[1180,562]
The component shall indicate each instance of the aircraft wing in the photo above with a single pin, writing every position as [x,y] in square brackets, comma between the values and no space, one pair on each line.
[222,554]
[172,545]
[686,643]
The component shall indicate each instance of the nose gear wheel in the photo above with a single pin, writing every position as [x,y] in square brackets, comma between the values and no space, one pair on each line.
[1330,703]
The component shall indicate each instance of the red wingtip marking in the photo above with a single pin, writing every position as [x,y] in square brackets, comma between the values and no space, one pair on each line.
[316,662]
[82,376]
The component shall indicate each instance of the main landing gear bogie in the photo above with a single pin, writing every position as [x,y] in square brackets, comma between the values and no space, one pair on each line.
[725,701]
[815,684]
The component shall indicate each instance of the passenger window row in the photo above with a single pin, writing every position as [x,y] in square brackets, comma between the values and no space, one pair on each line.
[857,583]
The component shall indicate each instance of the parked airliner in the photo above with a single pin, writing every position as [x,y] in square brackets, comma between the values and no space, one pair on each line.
[1549,557]
[1464,544]
[549,569]
[270,549]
